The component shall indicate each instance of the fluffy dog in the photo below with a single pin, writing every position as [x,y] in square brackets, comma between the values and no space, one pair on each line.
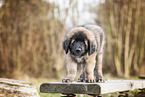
[83,46]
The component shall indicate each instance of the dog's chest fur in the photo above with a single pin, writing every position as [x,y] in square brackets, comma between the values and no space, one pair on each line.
[79,60]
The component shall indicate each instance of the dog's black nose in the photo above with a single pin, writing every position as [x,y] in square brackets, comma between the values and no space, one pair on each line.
[78,49]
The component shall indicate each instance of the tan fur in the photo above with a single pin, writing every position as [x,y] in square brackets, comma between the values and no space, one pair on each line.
[90,65]
[95,35]
[90,34]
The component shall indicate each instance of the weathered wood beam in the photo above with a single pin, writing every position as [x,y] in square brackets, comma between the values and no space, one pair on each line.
[108,86]
[17,88]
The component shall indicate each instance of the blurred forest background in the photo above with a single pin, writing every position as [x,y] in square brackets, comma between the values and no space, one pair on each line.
[32,32]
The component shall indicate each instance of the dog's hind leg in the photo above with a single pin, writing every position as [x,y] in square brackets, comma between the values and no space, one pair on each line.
[98,69]
[82,77]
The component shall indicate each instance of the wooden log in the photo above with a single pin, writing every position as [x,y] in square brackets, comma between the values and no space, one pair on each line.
[92,88]
[142,77]
[17,88]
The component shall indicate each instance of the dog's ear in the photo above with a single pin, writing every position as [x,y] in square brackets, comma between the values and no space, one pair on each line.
[91,48]
[66,44]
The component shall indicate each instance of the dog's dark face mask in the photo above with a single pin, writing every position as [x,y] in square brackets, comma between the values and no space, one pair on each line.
[79,45]
[78,48]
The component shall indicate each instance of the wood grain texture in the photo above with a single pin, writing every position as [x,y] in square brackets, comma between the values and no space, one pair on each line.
[108,86]
[17,88]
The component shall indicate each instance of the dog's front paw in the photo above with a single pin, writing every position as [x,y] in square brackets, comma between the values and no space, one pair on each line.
[66,80]
[90,81]
[80,80]
[99,80]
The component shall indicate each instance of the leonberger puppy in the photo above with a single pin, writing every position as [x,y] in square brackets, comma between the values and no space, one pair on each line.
[84,45]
